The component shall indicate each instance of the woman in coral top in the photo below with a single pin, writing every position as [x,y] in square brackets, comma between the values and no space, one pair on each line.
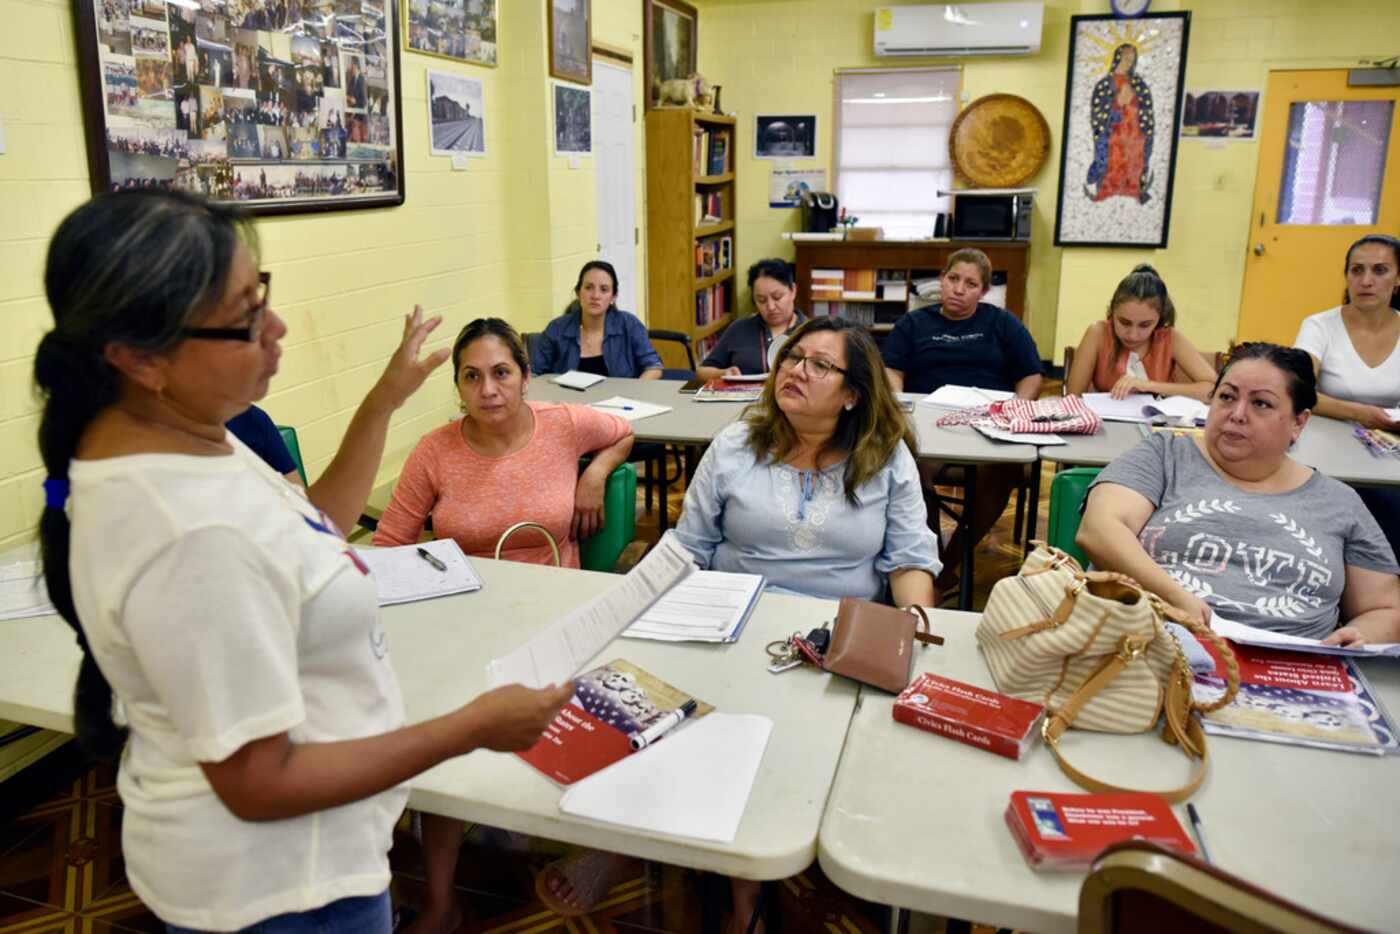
[1137,348]
[505,461]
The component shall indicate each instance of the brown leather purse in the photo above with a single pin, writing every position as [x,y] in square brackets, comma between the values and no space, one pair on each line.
[874,644]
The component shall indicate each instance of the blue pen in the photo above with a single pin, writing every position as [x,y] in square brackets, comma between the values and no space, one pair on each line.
[606,405]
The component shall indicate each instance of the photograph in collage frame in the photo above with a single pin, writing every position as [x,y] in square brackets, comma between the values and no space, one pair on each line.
[279,106]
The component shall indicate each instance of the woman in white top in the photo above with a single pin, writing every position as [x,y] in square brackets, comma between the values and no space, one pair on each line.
[1356,347]
[263,752]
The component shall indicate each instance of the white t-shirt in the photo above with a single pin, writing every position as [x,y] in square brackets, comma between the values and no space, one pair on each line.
[1343,374]
[223,607]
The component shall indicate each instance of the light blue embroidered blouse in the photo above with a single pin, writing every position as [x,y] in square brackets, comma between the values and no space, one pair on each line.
[797,528]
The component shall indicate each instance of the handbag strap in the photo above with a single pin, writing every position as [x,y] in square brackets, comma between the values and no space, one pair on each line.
[922,627]
[1222,651]
[553,547]
[1060,720]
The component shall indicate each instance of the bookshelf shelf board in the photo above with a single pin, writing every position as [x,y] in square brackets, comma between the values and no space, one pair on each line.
[709,230]
[716,279]
[717,119]
[714,179]
[714,327]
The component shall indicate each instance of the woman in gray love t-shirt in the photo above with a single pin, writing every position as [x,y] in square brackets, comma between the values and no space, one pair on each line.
[1230,523]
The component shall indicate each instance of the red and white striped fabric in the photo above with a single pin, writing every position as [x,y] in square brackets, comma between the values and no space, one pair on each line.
[1066,415]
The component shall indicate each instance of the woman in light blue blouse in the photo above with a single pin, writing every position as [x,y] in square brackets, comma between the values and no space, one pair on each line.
[816,487]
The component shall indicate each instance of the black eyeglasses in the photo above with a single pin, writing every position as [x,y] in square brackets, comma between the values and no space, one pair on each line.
[253,332]
[817,367]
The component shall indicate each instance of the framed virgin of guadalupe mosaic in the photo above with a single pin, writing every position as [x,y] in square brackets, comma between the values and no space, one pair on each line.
[1118,148]
[282,106]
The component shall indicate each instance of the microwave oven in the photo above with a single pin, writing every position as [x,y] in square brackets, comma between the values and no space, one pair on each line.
[991,215]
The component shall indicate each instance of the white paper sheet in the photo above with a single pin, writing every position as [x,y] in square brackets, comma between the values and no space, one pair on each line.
[560,651]
[1018,437]
[695,784]
[1127,409]
[577,379]
[401,575]
[1393,414]
[965,397]
[745,377]
[1178,408]
[1250,635]
[630,409]
[23,592]
[708,606]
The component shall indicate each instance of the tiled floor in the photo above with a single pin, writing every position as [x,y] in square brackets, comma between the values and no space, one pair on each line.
[61,867]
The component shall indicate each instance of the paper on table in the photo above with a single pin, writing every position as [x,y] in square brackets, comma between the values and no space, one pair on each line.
[1017,437]
[23,592]
[695,784]
[709,606]
[1393,414]
[630,409]
[1178,407]
[401,575]
[1251,635]
[1127,409]
[560,651]
[965,397]
[577,379]
[744,377]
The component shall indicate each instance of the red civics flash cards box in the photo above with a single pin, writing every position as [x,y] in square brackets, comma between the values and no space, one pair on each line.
[995,722]
[1067,831]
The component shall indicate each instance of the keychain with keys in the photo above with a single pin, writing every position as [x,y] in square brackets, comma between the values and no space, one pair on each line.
[784,655]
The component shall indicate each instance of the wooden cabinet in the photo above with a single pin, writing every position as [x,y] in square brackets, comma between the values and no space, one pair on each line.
[690,227]
[913,259]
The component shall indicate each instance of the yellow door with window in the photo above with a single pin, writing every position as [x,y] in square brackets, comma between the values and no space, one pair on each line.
[1328,174]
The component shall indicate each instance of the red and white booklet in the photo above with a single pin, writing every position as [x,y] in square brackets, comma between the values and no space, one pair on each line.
[986,719]
[594,729]
[1067,831]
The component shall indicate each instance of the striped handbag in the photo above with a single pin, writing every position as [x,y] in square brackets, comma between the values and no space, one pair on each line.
[1091,647]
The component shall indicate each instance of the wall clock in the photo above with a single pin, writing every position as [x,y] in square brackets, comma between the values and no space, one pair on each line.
[1125,9]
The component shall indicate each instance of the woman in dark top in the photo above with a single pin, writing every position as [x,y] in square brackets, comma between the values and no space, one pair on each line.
[748,345]
[594,335]
[964,341]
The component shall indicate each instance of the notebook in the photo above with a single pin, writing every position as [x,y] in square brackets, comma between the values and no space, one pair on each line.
[402,575]
[695,784]
[577,379]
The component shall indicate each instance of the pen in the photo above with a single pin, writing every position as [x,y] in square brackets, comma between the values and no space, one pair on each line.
[654,732]
[431,558]
[607,405]
[1200,832]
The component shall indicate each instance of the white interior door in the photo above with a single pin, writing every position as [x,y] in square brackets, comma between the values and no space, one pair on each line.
[616,164]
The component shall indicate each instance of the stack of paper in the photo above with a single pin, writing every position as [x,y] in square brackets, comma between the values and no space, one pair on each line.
[695,784]
[22,591]
[403,574]
[1182,409]
[709,606]
[1264,638]
[577,379]
[1127,409]
[630,409]
[1017,437]
[965,397]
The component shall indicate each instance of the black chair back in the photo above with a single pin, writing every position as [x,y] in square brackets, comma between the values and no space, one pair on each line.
[679,337]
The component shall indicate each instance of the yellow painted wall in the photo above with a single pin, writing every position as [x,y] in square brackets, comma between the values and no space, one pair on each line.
[778,56]
[496,239]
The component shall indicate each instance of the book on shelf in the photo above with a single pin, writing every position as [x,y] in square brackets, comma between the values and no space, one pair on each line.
[709,208]
[713,256]
[611,703]
[978,717]
[855,312]
[1319,701]
[859,285]
[706,345]
[1067,831]
[710,151]
[711,304]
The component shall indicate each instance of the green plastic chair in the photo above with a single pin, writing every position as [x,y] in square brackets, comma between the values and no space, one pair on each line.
[1067,493]
[601,551]
[289,438]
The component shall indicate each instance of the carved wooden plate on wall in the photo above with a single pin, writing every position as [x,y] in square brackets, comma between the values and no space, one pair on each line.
[999,141]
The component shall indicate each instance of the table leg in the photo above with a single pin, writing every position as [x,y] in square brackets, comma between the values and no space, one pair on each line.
[1033,505]
[899,921]
[968,545]
[758,907]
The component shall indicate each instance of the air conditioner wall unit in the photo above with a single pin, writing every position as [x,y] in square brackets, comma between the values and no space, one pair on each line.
[959,29]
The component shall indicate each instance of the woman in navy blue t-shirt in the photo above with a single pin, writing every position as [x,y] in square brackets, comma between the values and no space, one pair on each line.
[964,341]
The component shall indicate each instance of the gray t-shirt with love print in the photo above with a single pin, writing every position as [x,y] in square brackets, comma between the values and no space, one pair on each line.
[1273,560]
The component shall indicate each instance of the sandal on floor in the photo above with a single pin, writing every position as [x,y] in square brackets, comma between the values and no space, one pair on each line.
[590,873]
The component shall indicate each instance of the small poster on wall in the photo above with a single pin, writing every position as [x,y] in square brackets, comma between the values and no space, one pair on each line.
[1219,114]
[785,186]
[573,120]
[456,115]
[785,137]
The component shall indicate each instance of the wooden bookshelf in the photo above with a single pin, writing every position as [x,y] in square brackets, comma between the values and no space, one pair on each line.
[675,180]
